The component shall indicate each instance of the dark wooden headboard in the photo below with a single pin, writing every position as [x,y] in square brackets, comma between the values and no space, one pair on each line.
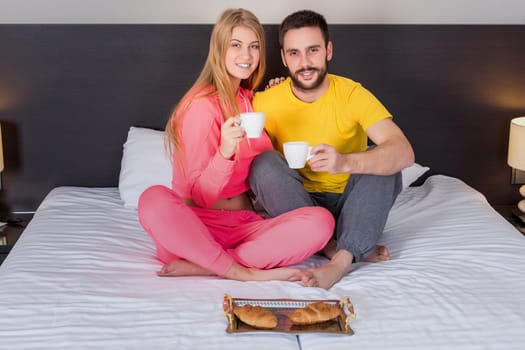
[69,93]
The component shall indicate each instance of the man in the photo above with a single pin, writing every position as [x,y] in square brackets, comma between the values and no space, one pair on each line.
[337,116]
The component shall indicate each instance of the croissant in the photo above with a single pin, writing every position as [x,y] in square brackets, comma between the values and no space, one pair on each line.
[256,316]
[314,313]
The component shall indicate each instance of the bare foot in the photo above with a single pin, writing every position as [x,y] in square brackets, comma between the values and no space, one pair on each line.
[380,253]
[325,276]
[181,267]
[238,272]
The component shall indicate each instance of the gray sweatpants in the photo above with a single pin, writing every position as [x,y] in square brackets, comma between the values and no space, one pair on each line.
[360,211]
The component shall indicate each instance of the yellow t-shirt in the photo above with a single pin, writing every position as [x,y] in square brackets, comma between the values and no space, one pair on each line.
[339,118]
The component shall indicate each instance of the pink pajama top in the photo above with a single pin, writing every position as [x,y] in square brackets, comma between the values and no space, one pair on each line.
[207,175]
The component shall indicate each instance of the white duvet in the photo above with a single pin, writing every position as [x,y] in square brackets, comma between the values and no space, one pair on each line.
[82,276]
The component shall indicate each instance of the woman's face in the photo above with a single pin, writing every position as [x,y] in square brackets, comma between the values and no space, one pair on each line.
[242,55]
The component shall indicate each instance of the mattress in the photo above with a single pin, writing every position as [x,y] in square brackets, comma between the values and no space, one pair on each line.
[83,276]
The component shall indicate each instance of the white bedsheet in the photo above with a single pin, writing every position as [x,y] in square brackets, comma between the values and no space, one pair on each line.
[82,276]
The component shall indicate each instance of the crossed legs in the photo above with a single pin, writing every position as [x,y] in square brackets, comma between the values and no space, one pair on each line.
[361,212]
[235,244]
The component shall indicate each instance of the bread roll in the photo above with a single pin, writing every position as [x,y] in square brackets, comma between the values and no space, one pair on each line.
[256,316]
[314,313]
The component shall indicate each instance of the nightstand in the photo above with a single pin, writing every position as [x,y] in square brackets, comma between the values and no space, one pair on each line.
[10,232]
[507,212]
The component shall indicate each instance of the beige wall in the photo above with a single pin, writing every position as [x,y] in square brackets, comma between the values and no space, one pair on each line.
[269,11]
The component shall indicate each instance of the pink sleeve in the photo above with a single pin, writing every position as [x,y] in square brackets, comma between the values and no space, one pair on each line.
[207,171]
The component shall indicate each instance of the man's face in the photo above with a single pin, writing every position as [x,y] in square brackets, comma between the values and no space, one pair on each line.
[305,55]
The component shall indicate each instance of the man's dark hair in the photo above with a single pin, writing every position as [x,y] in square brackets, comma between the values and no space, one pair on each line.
[301,19]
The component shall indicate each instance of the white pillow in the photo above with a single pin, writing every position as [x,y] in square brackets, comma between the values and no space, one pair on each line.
[145,162]
[412,173]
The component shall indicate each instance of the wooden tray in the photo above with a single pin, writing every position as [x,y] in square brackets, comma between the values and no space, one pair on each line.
[282,308]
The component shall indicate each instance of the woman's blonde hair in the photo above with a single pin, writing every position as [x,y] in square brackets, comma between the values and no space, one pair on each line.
[214,78]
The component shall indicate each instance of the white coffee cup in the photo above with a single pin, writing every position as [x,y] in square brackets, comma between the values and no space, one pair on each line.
[253,123]
[297,153]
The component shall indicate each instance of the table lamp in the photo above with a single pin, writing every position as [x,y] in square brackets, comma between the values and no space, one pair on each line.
[516,158]
[3,240]
[1,157]
[1,151]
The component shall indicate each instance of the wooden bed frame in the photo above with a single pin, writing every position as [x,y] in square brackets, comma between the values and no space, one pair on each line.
[69,93]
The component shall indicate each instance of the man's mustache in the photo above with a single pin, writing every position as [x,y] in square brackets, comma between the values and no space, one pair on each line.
[305,69]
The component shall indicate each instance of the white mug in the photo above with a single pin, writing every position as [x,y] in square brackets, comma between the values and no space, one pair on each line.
[253,123]
[297,153]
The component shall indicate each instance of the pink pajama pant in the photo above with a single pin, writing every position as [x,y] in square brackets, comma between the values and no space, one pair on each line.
[213,239]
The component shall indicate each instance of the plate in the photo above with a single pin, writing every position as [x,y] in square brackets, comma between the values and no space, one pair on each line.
[282,308]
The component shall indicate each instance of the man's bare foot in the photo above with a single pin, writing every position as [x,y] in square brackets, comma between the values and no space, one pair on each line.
[181,267]
[325,276]
[380,253]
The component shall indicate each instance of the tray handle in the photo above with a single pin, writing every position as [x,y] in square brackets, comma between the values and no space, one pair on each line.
[348,310]
[227,306]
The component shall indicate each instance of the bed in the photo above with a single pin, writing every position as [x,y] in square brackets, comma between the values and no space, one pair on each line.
[83,276]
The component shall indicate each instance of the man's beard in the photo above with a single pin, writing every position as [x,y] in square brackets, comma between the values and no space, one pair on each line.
[321,74]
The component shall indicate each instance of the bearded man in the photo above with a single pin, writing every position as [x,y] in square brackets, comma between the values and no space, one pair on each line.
[357,183]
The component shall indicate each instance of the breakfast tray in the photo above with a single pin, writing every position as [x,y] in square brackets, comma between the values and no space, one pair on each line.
[282,308]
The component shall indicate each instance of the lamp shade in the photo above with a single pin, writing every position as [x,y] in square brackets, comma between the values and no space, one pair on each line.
[1,152]
[516,158]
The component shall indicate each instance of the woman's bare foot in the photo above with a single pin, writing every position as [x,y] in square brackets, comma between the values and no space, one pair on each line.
[380,253]
[181,267]
[238,272]
[325,276]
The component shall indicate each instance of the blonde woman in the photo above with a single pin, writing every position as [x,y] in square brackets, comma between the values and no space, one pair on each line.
[205,224]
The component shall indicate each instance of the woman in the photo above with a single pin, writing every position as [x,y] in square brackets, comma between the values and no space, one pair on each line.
[206,225]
